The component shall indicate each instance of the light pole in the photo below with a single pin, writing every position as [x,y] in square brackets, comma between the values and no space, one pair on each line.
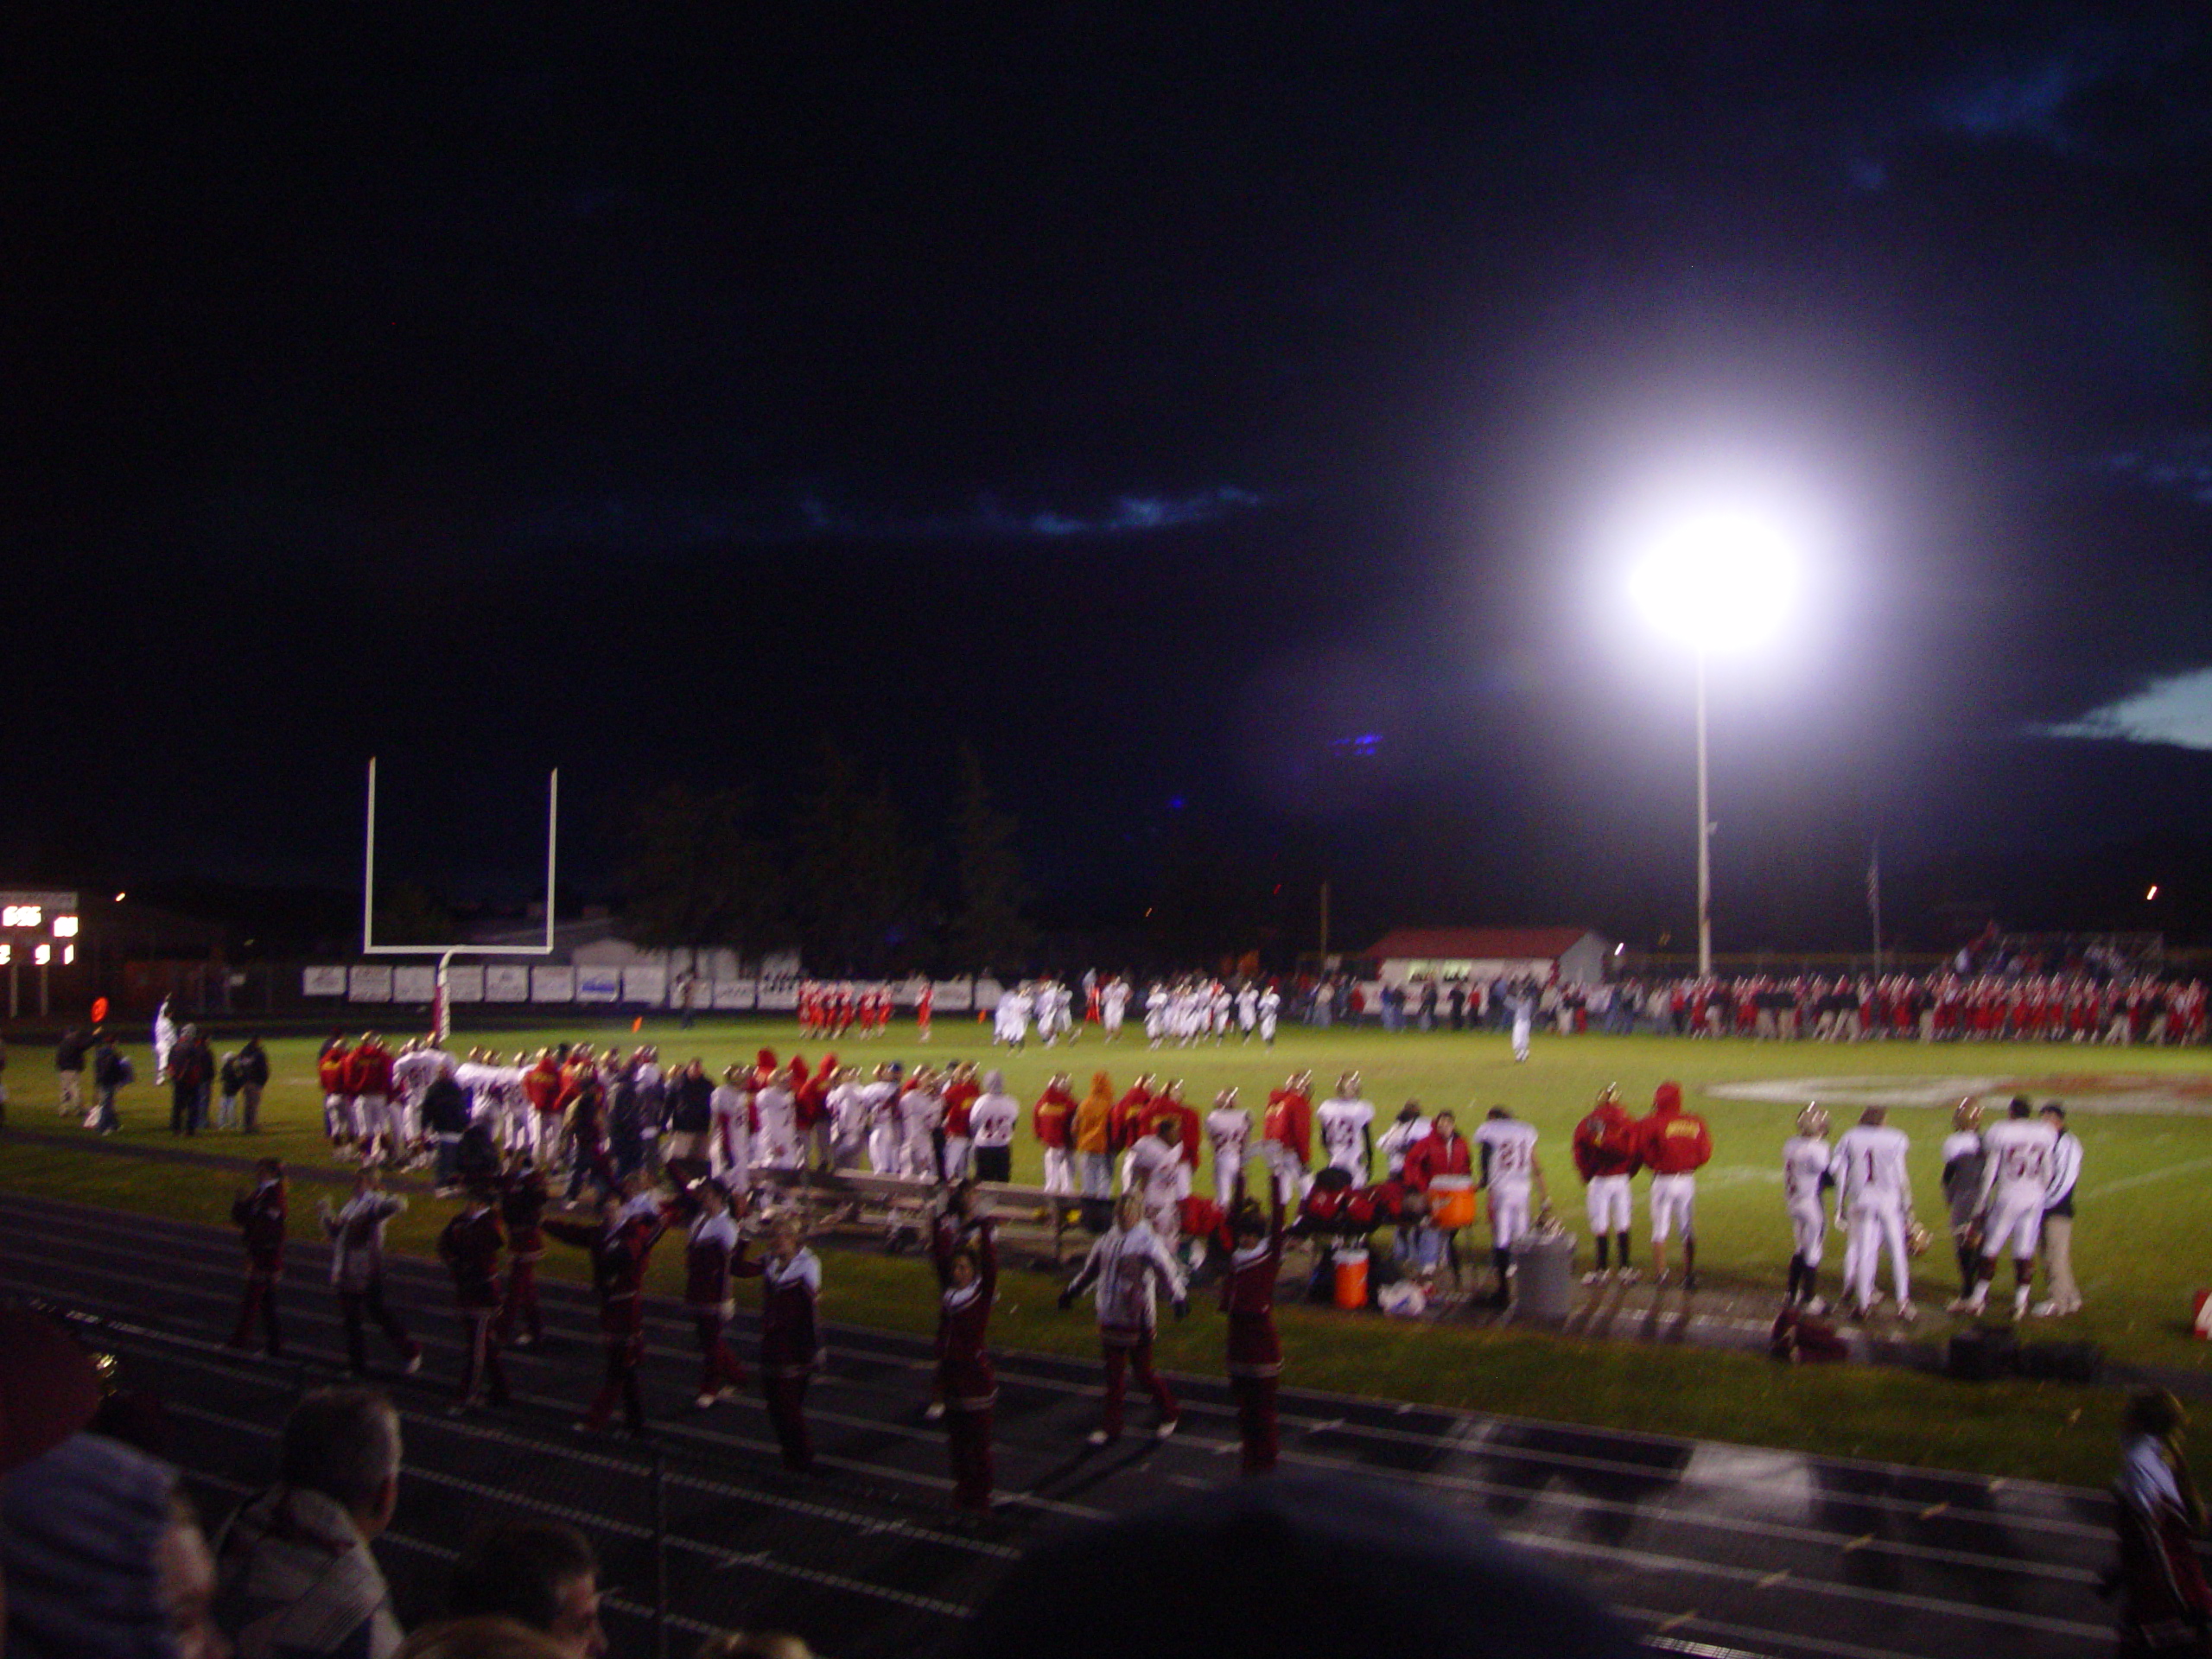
[1716,578]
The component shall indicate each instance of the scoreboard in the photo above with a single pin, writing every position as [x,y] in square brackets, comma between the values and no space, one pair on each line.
[37,928]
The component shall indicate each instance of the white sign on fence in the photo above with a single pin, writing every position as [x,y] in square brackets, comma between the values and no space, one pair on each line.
[465,984]
[779,995]
[369,983]
[734,993]
[413,984]
[506,981]
[552,984]
[323,981]
[953,996]
[647,985]
[599,984]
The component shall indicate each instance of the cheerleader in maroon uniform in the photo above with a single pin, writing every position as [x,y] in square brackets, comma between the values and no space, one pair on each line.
[712,1250]
[522,1199]
[968,1277]
[790,1351]
[470,1247]
[620,1244]
[1248,1297]
[259,1215]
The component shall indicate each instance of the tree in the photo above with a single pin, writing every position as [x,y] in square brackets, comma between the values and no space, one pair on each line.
[696,877]
[989,929]
[857,881]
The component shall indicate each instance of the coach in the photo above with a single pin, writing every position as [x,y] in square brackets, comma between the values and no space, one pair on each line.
[2065,1295]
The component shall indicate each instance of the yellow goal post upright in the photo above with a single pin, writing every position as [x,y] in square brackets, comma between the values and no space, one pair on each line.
[441,1003]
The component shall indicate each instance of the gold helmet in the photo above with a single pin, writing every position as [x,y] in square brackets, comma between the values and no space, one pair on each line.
[1813,1122]
[1967,1115]
[1917,1238]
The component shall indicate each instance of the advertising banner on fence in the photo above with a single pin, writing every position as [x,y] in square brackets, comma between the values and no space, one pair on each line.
[465,984]
[369,983]
[552,984]
[413,984]
[777,995]
[647,985]
[323,981]
[953,996]
[735,996]
[506,981]
[599,984]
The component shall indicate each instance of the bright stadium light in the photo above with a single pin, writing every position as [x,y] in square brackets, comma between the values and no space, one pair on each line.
[1719,577]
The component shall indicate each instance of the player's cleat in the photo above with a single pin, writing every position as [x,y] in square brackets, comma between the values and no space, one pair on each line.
[1627,1275]
[932,1411]
[1907,1311]
[1596,1277]
[1099,1436]
[1963,1305]
[1167,1427]
[2044,1310]
[1814,1305]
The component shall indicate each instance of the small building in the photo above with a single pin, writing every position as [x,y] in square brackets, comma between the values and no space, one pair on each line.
[1576,955]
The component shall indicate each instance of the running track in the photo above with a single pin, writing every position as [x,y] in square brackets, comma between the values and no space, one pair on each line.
[1709,1549]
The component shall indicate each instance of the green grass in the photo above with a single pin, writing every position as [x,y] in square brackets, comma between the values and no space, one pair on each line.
[2138,1241]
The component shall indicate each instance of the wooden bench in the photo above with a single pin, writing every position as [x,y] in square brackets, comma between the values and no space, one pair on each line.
[900,1204]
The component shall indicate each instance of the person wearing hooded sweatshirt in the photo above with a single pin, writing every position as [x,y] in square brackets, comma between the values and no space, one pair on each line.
[1094,1152]
[1052,1120]
[1674,1144]
[104,1558]
[1125,1264]
[992,1118]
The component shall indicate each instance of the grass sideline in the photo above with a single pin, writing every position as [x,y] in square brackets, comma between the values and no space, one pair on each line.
[2139,1244]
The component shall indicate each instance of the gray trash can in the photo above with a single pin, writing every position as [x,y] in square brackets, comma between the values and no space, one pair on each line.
[1543,1274]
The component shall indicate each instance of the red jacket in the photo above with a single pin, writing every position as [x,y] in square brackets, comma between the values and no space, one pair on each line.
[1190,1133]
[541,1086]
[1434,1155]
[1289,1123]
[368,1071]
[958,1097]
[1674,1141]
[331,1068]
[1608,1142]
[1126,1122]
[1054,1112]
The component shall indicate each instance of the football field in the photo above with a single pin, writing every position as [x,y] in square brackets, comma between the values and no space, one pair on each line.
[2144,1116]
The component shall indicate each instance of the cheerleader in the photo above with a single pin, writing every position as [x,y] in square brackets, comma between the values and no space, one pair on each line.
[711,1252]
[1248,1297]
[791,1349]
[968,1276]
[620,1244]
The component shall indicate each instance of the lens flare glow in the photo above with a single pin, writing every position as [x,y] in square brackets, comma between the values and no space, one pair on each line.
[1721,578]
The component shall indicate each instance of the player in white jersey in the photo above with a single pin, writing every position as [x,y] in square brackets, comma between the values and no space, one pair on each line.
[1963,1160]
[730,1131]
[412,1073]
[1155,1170]
[1345,1122]
[847,1104]
[2018,1153]
[1112,1005]
[775,1136]
[1248,1008]
[1406,1128]
[1806,1176]
[1873,1201]
[921,1115]
[1156,1013]
[1010,1023]
[1270,1011]
[1229,1128]
[1223,1005]
[1507,1149]
[883,1134]
[1523,1008]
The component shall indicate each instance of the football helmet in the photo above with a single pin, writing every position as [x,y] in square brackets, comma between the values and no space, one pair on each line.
[1967,1115]
[1813,1120]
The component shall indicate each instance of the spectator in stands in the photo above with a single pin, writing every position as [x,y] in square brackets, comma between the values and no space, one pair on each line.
[295,1572]
[540,1573]
[2164,1606]
[1292,1565]
[104,1559]
[480,1638]
[253,1077]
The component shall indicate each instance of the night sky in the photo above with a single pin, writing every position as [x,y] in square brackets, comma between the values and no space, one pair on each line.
[1222,418]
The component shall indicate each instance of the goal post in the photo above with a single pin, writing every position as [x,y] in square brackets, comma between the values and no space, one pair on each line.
[441,1006]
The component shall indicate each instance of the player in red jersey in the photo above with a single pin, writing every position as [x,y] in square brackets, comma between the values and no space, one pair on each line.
[1248,1297]
[260,1214]
[1287,1135]
[1190,1129]
[1053,1121]
[1675,1146]
[1608,1152]
[337,1113]
[1126,1122]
